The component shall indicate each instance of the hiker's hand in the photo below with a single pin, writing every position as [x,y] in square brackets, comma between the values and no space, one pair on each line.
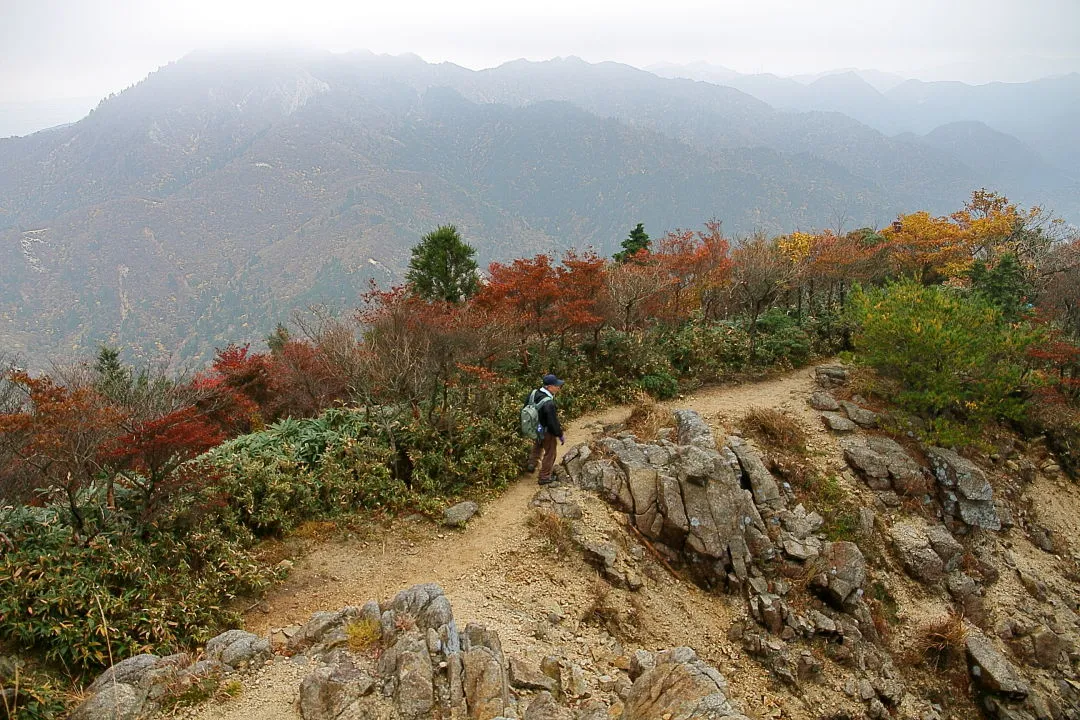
[562,440]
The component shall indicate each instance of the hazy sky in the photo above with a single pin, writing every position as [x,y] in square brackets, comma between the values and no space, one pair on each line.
[73,48]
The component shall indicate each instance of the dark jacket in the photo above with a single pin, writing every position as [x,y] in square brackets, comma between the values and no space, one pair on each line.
[549,414]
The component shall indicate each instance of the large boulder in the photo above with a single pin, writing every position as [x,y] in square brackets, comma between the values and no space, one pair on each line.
[679,686]
[966,494]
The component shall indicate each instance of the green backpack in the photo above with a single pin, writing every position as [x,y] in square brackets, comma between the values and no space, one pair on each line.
[530,416]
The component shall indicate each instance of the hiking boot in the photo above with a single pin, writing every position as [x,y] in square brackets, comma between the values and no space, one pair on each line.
[531,467]
[546,481]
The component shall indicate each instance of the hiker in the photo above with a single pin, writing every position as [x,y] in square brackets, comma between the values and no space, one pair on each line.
[549,430]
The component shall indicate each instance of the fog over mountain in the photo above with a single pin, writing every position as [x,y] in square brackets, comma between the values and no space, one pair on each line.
[208,201]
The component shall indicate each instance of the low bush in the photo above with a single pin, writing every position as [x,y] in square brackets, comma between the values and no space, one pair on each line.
[82,602]
[780,340]
[957,362]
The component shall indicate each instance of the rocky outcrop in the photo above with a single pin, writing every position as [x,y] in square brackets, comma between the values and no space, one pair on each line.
[135,687]
[966,494]
[694,499]
[885,465]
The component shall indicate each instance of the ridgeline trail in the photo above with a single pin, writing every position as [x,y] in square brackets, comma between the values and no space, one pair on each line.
[495,572]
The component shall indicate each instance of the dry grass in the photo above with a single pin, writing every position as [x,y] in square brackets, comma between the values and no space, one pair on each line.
[621,619]
[363,634]
[775,430]
[554,531]
[940,642]
[646,417]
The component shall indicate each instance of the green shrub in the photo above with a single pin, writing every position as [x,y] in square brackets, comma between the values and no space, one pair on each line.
[956,361]
[780,340]
[32,695]
[707,351]
[156,594]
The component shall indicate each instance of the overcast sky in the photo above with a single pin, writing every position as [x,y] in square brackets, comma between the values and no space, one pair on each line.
[76,48]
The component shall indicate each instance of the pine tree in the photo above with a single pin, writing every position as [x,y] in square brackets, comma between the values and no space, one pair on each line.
[442,267]
[637,241]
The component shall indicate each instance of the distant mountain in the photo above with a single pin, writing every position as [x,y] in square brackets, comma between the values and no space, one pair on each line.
[206,203]
[24,118]
[1044,114]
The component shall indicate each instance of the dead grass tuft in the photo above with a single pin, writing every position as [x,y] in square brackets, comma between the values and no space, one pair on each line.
[646,417]
[622,619]
[555,531]
[940,642]
[775,430]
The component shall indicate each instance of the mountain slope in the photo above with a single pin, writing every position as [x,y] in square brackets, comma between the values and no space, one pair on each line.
[204,204]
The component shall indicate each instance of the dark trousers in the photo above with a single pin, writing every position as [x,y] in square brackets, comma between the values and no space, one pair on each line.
[549,446]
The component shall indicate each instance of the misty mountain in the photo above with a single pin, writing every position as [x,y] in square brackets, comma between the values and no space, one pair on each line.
[1044,114]
[204,204]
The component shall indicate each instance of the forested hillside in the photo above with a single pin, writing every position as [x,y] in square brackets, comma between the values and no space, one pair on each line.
[206,203]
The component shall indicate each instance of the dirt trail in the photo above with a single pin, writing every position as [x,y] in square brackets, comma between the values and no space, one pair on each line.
[338,574]
[496,573]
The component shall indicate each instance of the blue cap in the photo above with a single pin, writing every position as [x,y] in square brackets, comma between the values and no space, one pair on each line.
[552,380]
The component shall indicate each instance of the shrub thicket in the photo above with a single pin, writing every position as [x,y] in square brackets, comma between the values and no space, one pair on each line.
[955,359]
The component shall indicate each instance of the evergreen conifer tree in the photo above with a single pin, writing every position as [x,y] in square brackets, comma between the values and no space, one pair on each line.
[442,267]
[637,240]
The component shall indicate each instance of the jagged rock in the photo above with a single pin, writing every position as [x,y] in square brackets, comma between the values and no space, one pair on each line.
[641,662]
[558,500]
[769,610]
[544,707]
[884,464]
[129,672]
[966,493]
[822,400]
[860,416]
[485,682]
[330,690]
[990,670]
[762,483]
[691,429]
[838,423]
[945,545]
[114,701]
[238,648]
[457,516]
[679,687]
[413,675]
[426,604]
[525,676]
[802,550]
[842,573]
[687,497]
[916,553]
[574,461]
